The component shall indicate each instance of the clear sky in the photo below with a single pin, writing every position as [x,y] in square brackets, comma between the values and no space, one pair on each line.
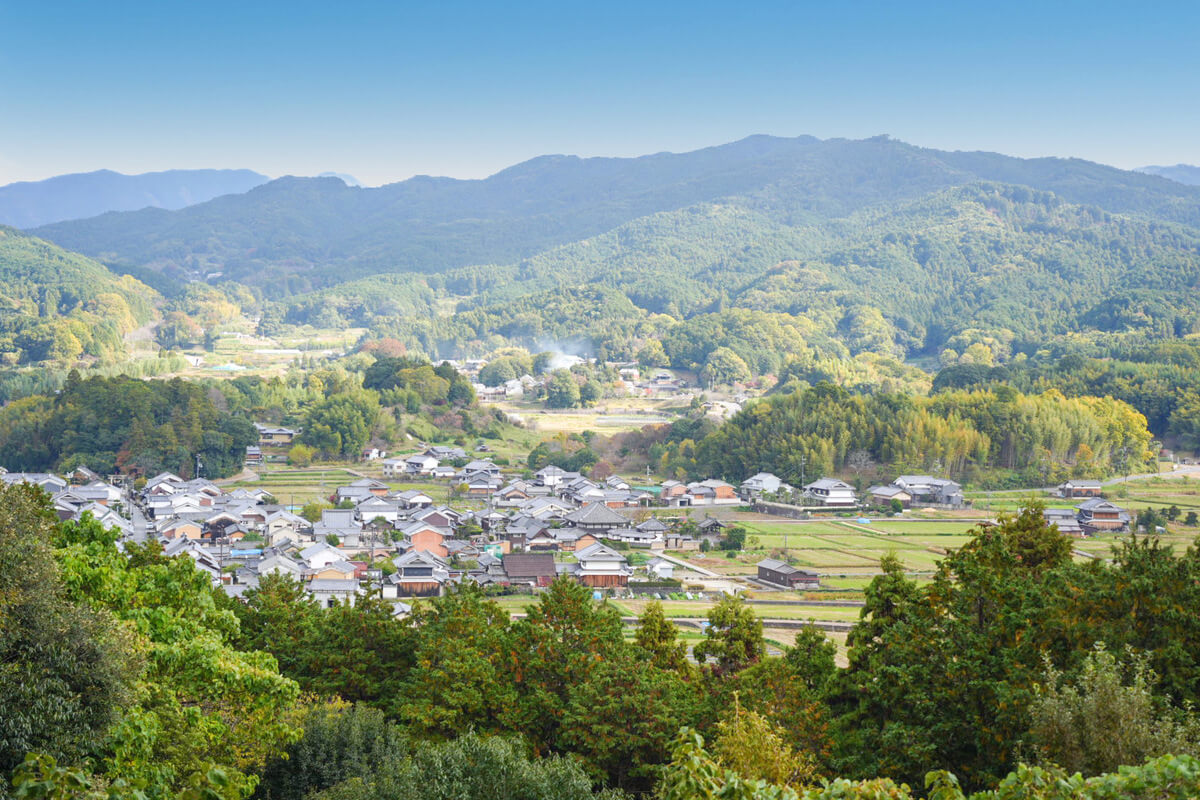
[391,89]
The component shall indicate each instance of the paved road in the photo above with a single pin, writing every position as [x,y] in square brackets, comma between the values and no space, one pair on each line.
[1180,471]
[686,565]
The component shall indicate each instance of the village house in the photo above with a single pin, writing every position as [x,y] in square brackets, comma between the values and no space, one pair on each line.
[831,492]
[1099,515]
[1065,519]
[329,592]
[882,496]
[320,555]
[597,518]
[412,498]
[420,464]
[360,490]
[529,569]
[927,490]
[601,567]
[425,538]
[418,574]
[443,453]
[712,492]
[339,522]
[1080,488]
[660,569]
[675,493]
[760,484]
[273,436]
[279,564]
[785,575]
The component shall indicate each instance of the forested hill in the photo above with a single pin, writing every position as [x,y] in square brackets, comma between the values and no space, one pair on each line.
[1180,173]
[295,234]
[32,203]
[61,306]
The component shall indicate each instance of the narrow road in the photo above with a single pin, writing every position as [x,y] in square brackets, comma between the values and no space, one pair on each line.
[686,565]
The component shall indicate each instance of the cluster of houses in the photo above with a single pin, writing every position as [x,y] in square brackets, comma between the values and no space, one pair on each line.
[909,490]
[397,544]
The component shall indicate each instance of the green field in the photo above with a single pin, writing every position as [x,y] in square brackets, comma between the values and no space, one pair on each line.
[846,547]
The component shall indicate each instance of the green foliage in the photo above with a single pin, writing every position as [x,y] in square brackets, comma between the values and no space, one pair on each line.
[66,669]
[724,367]
[358,653]
[1104,721]
[562,390]
[123,424]
[342,424]
[734,538]
[657,636]
[733,639]
[959,432]
[340,742]
[60,306]
[199,707]
[695,774]
[471,767]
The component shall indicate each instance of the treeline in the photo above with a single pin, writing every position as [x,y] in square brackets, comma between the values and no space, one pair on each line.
[124,424]
[811,432]
[1160,380]
[128,673]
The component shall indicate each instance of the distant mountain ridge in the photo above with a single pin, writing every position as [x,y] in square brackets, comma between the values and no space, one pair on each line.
[296,234]
[29,204]
[1180,173]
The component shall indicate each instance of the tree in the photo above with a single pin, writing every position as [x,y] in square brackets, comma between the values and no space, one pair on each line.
[67,671]
[341,424]
[734,538]
[590,392]
[724,367]
[558,644]
[734,638]
[751,746]
[652,354]
[658,637]
[471,766]
[201,704]
[301,455]
[311,510]
[459,681]
[1100,722]
[562,391]
[1191,518]
[340,742]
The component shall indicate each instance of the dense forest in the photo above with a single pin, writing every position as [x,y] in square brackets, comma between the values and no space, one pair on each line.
[1034,439]
[124,424]
[60,306]
[126,674]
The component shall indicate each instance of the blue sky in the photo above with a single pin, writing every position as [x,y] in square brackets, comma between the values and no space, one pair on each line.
[388,90]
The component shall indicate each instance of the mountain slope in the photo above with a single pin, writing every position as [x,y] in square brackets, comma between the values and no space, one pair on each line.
[324,231]
[998,262]
[58,306]
[295,234]
[87,194]
[1180,173]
